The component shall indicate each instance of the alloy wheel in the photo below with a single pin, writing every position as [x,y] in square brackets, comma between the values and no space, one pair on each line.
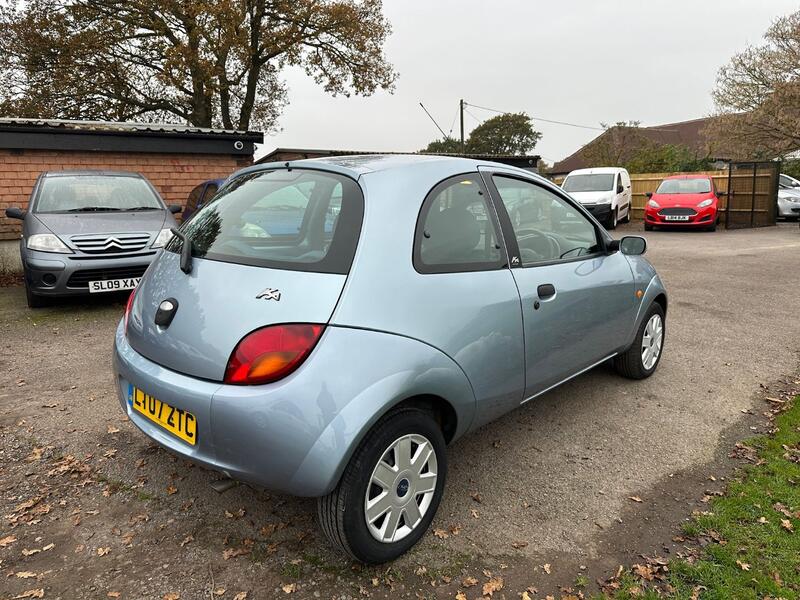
[401,488]
[652,339]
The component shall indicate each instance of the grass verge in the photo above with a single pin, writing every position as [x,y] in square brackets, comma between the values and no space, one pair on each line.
[748,539]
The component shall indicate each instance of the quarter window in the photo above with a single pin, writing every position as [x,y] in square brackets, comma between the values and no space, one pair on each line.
[457,229]
[547,227]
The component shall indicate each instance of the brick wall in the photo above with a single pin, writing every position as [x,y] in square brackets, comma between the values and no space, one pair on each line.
[173,175]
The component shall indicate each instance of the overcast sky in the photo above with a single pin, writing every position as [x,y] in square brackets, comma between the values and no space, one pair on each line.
[580,61]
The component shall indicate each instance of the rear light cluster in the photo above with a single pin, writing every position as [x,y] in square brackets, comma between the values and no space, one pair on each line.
[128,308]
[271,353]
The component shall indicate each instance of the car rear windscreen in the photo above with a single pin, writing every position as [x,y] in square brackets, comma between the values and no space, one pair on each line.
[684,186]
[589,183]
[95,193]
[287,219]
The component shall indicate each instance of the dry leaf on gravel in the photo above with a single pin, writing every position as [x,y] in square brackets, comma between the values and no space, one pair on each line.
[114,594]
[112,429]
[469,581]
[48,547]
[546,567]
[635,498]
[460,595]
[289,588]
[525,596]
[477,497]
[171,596]
[474,513]
[103,551]
[32,594]
[25,574]
[7,541]
[219,591]
[240,596]
[495,584]
[441,534]
[26,552]
[189,538]
[171,489]
[743,565]
[518,545]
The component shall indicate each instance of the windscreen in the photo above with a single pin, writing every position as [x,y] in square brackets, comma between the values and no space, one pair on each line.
[95,193]
[287,219]
[684,186]
[589,183]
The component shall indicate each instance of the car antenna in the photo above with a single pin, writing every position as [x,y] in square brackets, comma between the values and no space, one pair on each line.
[186,250]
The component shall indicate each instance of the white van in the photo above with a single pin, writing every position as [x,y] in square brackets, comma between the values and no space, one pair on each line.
[604,191]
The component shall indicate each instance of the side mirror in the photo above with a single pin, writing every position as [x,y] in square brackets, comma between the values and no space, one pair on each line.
[633,245]
[15,213]
[649,194]
[175,208]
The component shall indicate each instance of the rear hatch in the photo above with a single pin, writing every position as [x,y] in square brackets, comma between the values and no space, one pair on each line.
[273,247]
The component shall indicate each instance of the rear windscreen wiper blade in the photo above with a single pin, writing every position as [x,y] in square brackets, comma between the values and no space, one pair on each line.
[186,250]
[92,209]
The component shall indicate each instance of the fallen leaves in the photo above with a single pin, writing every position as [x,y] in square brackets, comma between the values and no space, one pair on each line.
[460,595]
[743,565]
[469,582]
[103,551]
[112,429]
[171,489]
[289,588]
[441,534]
[114,594]
[171,596]
[787,525]
[495,584]
[635,498]
[240,596]
[518,545]
[25,574]
[39,593]
[188,539]
[546,567]
[246,548]
[7,541]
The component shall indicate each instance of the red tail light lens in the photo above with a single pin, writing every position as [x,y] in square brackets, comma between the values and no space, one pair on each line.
[128,308]
[271,353]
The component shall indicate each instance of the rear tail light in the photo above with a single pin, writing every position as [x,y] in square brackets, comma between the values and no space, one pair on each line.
[128,308]
[271,353]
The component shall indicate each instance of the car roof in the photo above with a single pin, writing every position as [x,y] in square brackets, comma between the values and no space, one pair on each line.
[689,176]
[597,171]
[89,172]
[361,164]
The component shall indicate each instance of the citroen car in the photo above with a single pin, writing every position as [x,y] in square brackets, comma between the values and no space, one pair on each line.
[403,309]
[88,232]
[686,200]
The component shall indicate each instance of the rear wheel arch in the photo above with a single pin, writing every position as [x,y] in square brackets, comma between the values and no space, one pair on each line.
[443,412]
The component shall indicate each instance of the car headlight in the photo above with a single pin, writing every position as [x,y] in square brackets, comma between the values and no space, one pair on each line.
[47,242]
[162,238]
[653,204]
[705,203]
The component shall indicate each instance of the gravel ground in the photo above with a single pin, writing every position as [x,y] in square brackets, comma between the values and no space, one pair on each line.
[550,484]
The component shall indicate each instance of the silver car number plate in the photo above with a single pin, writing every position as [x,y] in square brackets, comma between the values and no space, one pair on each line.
[677,217]
[113,285]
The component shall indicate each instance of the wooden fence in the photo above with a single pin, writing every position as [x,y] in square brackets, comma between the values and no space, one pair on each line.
[641,183]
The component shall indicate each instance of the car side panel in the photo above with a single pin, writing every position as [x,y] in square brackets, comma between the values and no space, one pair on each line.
[473,317]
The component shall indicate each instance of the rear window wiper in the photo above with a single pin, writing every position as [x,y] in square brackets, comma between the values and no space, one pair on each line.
[186,250]
[92,209]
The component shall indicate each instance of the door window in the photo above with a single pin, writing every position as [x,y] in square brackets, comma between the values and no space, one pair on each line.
[457,229]
[547,227]
[620,184]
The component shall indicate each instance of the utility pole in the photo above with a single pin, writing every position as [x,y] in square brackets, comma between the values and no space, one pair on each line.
[461,113]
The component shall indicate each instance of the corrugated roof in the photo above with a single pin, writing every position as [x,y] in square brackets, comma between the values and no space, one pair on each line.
[121,126]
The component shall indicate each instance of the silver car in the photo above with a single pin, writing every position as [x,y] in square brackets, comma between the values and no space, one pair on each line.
[788,197]
[326,327]
[89,231]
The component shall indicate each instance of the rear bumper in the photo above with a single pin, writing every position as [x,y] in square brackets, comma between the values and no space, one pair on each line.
[703,217]
[50,274]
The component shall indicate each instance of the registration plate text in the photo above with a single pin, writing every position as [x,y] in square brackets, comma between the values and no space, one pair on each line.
[180,423]
[677,217]
[113,285]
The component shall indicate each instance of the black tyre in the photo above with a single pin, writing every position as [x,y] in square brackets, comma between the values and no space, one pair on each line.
[627,215]
[712,227]
[611,222]
[34,300]
[642,358]
[390,489]
[648,227]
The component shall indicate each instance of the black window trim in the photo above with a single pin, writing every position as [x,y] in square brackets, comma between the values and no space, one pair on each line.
[488,174]
[333,265]
[416,254]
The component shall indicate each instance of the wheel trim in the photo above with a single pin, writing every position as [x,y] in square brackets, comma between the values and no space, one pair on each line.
[652,339]
[401,488]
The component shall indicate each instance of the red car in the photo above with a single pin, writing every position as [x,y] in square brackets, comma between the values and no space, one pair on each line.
[686,200]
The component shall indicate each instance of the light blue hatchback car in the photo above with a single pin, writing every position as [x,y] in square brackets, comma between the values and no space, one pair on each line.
[337,357]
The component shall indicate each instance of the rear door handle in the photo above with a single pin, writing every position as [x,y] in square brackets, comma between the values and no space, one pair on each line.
[546,290]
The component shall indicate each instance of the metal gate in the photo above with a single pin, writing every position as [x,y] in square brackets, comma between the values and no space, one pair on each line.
[752,199]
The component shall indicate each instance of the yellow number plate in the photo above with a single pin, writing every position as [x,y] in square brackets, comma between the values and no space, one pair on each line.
[178,422]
